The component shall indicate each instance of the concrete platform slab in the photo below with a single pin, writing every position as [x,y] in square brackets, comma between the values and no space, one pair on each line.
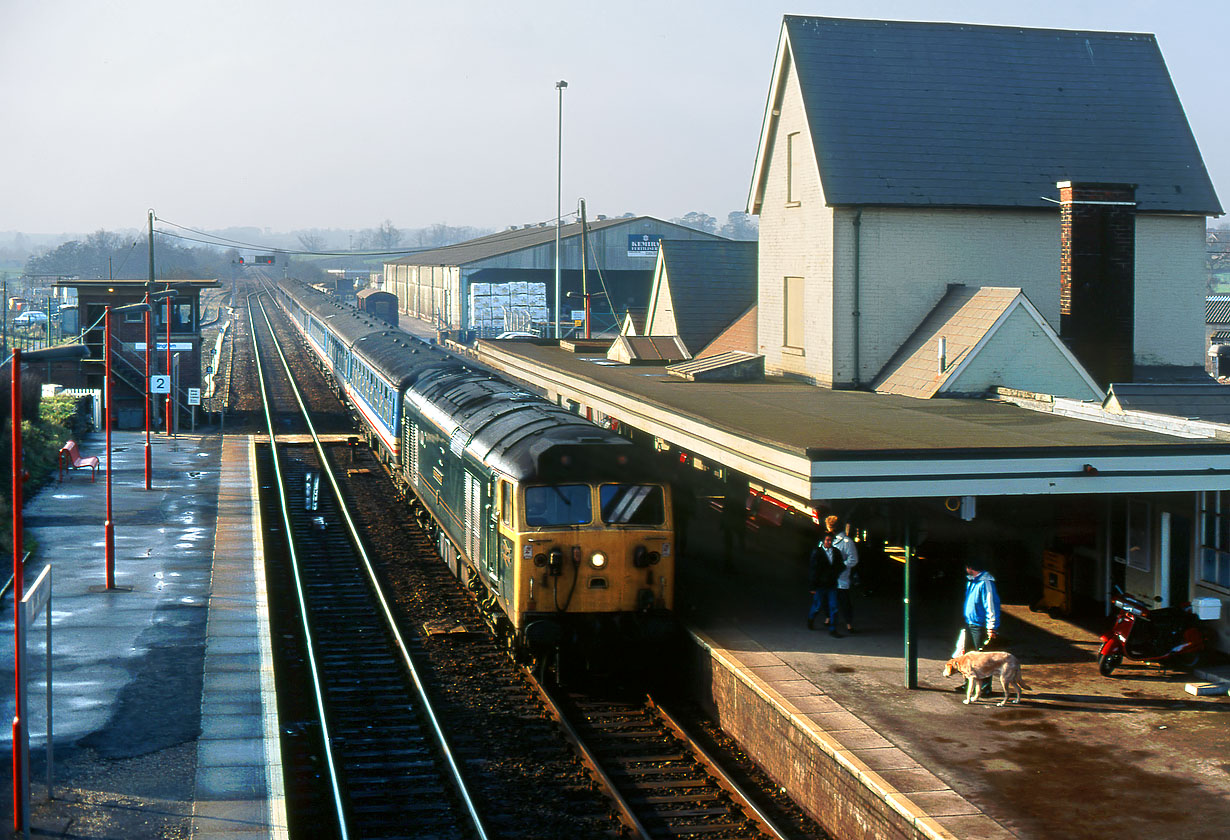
[162,687]
[831,719]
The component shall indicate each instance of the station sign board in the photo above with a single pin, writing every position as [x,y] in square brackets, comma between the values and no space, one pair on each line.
[194,396]
[161,346]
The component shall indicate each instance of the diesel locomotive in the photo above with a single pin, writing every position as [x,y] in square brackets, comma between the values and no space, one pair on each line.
[562,529]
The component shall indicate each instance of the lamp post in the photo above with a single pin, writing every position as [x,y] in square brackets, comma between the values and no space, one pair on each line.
[559,171]
[67,351]
[19,816]
[149,317]
[108,523]
[169,417]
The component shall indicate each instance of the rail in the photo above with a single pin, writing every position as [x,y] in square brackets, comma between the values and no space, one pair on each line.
[303,612]
[394,631]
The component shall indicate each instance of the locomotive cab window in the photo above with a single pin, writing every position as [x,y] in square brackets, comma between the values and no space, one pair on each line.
[632,504]
[558,504]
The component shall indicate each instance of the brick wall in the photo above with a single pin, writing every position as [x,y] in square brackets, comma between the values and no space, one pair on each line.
[826,780]
[741,335]
[1097,225]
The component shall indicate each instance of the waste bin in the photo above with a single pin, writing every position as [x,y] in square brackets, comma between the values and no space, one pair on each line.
[1056,584]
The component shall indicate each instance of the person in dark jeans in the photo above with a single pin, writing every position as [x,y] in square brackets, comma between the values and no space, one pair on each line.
[824,567]
[982,613]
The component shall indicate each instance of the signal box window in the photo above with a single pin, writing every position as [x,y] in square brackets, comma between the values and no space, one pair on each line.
[632,504]
[181,316]
[558,505]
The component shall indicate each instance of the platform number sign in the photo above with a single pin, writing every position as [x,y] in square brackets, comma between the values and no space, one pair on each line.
[160,383]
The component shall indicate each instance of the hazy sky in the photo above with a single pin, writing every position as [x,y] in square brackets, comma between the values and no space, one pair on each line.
[324,113]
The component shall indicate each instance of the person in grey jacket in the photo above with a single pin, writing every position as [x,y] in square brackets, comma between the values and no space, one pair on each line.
[849,550]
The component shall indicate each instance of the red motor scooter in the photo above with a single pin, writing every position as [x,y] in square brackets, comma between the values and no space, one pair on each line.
[1171,636]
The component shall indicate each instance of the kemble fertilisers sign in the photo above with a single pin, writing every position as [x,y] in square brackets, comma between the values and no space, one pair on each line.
[643,244]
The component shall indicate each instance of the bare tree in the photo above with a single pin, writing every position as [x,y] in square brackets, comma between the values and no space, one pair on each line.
[311,241]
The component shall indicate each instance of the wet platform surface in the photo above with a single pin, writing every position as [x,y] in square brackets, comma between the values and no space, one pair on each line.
[164,713]
[1083,756]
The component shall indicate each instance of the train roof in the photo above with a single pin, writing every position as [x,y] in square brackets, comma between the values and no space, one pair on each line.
[497,422]
[514,430]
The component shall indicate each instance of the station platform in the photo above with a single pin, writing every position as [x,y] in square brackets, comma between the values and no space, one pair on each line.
[1083,756]
[164,715]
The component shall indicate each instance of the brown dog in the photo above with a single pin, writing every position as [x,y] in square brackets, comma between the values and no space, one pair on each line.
[980,665]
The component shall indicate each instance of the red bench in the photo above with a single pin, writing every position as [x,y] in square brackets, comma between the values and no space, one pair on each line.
[76,461]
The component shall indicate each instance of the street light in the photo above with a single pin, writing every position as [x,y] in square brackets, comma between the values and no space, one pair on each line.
[51,354]
[559,170]
[148,305]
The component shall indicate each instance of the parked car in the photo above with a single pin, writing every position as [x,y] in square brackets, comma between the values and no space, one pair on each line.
[30,319]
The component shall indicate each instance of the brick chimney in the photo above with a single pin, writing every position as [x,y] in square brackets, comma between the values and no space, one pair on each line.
[1097,277]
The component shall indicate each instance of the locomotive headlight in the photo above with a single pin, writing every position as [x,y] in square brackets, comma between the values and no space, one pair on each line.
[653,558]
[597,560]
[540,560]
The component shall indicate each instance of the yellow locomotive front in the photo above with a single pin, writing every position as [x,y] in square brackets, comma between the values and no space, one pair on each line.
[593,562]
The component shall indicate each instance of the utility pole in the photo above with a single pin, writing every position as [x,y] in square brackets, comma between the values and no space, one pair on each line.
[584,264]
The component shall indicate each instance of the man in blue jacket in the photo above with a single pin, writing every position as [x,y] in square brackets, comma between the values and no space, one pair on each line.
[982,612]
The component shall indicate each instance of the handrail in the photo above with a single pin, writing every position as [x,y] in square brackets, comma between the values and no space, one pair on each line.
[9,583]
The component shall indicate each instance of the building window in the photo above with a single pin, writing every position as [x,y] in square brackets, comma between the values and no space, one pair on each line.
[792,187]
[792,333]
[1215,538]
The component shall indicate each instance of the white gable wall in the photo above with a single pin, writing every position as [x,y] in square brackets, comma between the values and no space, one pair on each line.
[909,256]
[796,240]
[1021,355]
[1170,289]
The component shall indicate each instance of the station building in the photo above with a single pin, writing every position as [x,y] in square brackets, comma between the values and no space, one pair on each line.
[128,343]
[971,239]
[515,268]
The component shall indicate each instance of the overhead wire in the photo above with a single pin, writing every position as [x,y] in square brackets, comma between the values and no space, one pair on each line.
[217,240]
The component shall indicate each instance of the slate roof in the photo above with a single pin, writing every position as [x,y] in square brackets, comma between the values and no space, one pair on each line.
[1217,309]
[963,316]
[958,115]
[510,241]
[711,284]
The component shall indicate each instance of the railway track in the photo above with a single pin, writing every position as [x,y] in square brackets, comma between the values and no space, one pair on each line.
[524,776]
[388,769]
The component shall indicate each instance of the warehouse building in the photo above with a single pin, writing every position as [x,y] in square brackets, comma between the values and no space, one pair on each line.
[506,281]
